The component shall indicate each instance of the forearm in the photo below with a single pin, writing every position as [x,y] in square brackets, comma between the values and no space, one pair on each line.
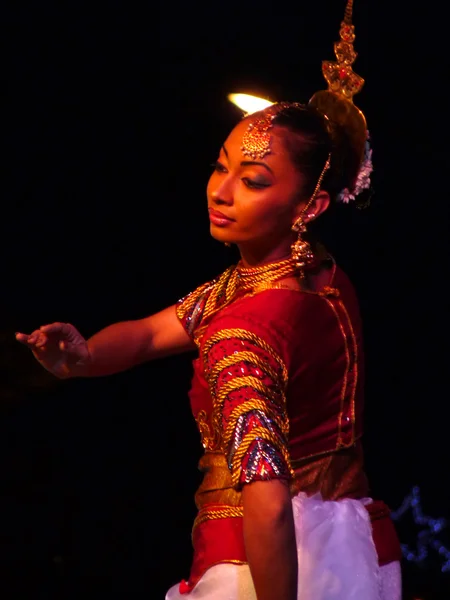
[116,348]
[269,536]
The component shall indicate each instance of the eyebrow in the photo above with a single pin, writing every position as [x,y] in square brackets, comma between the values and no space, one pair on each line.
[249,163]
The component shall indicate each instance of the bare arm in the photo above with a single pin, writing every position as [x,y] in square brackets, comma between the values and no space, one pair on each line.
[269,537]
[62,350]
[123,345]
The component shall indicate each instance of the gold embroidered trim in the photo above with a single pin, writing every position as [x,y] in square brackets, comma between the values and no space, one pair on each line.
[245,407]
[274,395]
[248,336]
[209,439]
[208,514]
[263,434]
[347,369]
[216,285]
[247,381]
[228,561]
[188,302]
[356,372]
[238,357]
[235,384]
[216,488]
[340,443]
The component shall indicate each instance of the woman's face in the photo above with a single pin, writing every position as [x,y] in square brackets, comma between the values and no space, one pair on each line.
[254,202]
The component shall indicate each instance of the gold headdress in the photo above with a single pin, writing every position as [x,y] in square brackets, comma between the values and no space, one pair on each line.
[343,83]
[336,103]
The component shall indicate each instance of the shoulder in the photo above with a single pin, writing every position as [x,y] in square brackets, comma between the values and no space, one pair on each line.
[280,309]
[272,317]
[241,327]
[284,316]
[191,308]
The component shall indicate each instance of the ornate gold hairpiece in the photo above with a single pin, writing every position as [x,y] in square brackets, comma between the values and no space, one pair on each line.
[343,83]
[339,75]
[335,104]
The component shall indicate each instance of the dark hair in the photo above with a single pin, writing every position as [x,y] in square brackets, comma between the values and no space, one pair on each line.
[311,139]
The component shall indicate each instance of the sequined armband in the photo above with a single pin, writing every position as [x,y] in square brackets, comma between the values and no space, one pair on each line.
[248,379]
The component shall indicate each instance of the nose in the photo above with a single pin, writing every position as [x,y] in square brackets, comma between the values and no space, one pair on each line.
[221,192]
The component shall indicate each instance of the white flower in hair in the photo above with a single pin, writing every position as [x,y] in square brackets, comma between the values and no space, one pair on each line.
[362,179]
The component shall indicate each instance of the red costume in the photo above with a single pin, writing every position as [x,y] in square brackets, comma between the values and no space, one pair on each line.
[277,392]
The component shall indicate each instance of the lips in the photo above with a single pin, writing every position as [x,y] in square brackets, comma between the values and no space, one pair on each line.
[218,218]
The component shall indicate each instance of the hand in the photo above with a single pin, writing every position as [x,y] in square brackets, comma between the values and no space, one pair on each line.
[59,348]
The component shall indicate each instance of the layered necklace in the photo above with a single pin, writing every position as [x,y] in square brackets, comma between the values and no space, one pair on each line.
[255,279]
[238,281]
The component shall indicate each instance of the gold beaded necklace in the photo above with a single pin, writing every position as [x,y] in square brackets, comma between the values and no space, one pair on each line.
[253,279]
[238,281]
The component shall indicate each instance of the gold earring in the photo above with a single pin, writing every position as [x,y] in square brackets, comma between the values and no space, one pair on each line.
[301,250]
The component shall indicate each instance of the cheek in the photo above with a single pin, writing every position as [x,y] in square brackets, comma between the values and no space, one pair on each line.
[270,213]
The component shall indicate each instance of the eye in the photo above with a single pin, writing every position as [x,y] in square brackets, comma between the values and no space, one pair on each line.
[254,184]
[219,167]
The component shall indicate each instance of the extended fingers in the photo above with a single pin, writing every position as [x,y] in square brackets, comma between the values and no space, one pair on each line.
[54,328]
[22,337]
[28,339]
[36,339]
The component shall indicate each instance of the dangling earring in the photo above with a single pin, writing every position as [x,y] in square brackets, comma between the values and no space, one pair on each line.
[301,250]
[227,244]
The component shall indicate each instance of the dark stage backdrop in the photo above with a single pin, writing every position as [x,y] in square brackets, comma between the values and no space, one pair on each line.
[110,132]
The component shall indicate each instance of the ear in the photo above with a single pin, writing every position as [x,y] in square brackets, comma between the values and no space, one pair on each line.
[319,205]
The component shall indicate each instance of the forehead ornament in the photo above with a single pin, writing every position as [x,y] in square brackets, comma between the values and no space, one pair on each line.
[257,139]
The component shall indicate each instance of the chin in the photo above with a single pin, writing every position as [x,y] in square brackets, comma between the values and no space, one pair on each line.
[221,235]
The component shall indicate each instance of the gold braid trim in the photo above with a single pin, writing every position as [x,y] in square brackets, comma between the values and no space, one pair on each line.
[246,336]
[219,398]
[188,302]
[263,434]
[347,371]
[355,366]
[225,287]
[220,292]
[236,384]
[245,407]
[247,381]
[233,359]
[208,514]
[217,288]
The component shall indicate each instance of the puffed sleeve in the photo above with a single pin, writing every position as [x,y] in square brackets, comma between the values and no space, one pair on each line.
[247,378]
[191,307]
[195,309]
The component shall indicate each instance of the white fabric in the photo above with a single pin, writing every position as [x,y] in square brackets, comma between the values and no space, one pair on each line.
[221,582]
[336,555]
[391,581]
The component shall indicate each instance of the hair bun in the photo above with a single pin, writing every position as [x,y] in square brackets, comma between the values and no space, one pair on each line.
[347,129]
[345,115]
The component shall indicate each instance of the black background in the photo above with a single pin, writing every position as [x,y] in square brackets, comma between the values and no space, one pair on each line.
[108,135]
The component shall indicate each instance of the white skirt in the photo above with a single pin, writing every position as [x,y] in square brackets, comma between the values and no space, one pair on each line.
[336,557]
